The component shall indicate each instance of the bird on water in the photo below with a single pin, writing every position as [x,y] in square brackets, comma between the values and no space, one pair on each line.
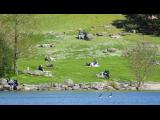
[110,95]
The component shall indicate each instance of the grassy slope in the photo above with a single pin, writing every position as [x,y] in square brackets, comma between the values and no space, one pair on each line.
[72,54]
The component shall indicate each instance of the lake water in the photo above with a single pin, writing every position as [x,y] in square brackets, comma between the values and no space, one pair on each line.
[79,98]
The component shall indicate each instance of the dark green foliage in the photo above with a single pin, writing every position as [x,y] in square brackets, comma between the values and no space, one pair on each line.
[142,23]
[6,57]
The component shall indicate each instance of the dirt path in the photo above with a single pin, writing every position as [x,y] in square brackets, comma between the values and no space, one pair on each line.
[151,86]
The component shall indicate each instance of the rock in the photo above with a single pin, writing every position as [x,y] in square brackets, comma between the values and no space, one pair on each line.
[47,73]
[19,88]
[35,72]
[68,88]
[38,73]
[30,87]
[49,65]
[123,85]
[99,34]
[110,88]
[97,85]
[57,85]
[69,82]
[115,85]
[90,36]
[64,86]
[84,86]
[115,36]
[111,50]
[46,45]
[44,87]
[49,59]
[76,87]
[6,87]
[3,82]
[131,88]
[1,87]
[122,89]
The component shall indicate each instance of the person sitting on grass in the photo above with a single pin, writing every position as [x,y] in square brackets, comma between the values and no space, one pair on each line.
[40,68]
[15,84]
[106,74]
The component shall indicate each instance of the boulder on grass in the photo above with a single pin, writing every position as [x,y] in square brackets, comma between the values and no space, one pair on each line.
[3,82]
[69,82]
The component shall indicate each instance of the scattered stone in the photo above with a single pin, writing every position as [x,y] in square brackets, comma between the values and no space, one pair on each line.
[131,88]
[47,45]
[47,73]
[90,36]
[19,88]
[38,73]
[3,82]
[35,72]
[64,86]
[57,85]
[97,85]
[49,65]
[115,85]
[27,87]
[115,36]
[76,87]
[122,85]
[1,87]
[111,50]
[99,34]
[49,59]
[110,88]
[7,87]
[69,82]
[68,88]
[44,87]
[84,86]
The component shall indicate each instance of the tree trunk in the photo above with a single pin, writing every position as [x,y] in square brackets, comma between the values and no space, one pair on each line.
[15,49]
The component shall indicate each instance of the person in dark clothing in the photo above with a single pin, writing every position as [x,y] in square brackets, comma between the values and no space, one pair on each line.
[40,68]
[15,84]
[88,64]
[106,74]
[85,35]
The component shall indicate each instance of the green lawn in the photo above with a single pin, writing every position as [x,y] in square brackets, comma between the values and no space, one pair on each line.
[72,54]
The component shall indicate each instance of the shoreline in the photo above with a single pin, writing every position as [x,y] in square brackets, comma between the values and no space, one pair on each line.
[69,85]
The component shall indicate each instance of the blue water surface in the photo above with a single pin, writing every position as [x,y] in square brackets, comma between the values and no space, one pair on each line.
[79,98]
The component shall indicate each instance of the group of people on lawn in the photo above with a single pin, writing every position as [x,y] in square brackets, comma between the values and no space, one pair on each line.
[105,73]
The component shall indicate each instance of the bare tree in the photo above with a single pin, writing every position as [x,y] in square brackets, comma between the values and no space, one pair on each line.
[140,59]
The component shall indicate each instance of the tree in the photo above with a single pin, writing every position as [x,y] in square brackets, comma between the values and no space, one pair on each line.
[145,23]
[6,60]
[16,27]
[140,59]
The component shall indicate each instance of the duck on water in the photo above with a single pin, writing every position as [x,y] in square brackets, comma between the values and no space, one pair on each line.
[109,96]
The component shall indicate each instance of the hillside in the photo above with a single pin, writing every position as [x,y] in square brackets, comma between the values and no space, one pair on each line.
[71,54]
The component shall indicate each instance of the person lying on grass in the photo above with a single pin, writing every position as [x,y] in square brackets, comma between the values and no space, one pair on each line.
[93,64]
